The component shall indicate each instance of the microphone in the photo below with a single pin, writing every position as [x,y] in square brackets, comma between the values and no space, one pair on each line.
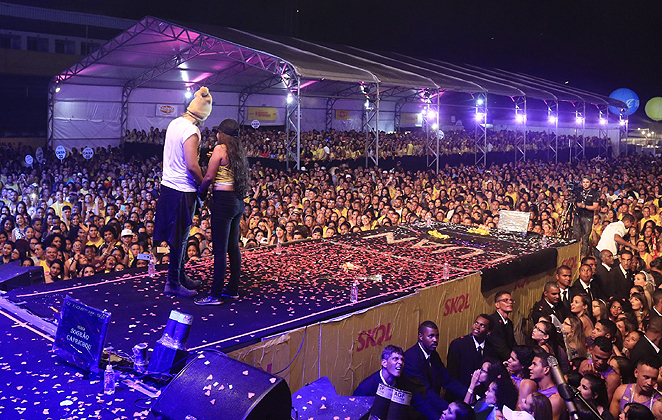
[565,391]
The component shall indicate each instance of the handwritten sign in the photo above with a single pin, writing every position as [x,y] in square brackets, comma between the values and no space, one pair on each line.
[80,334]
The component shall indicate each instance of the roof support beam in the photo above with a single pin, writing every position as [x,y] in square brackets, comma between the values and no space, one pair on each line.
[370,122]
[480,131]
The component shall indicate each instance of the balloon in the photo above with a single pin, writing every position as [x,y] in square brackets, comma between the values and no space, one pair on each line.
[654,108]
[627,96]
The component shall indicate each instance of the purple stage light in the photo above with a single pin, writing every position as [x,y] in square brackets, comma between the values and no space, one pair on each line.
[431,115]
[579,120]
[603,121]
[622,122]
[480,116]
[552,119]
[520,118]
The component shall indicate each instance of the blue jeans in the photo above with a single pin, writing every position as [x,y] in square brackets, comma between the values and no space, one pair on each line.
[226,214]
[173,223]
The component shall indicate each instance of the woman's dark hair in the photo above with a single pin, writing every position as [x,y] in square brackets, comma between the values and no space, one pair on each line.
[599,388]
[525,356]
[506,391]
[540,408]
[464,411]
[238,160]
[636,411]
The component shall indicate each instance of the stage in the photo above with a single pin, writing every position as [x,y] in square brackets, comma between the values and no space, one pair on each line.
[294,317]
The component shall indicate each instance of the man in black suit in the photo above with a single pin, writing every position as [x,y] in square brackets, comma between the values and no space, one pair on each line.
[549,305]
[466,354]
[622,275]
[390,373]
[603,273]
[427,373]
[564,280]
[502,337]
[656,312]
[584,284]
[649,344]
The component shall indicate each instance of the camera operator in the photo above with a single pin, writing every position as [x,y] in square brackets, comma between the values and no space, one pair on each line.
[586,204]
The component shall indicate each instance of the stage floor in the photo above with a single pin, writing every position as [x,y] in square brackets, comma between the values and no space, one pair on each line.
[307,283]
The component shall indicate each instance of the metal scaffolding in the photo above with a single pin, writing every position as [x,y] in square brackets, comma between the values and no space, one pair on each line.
[520,128]
[553,130]
[578,145]
[293,122]
[480,132]
[603,148]
[370,122]
[431,127]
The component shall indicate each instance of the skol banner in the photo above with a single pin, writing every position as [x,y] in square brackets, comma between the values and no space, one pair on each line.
[342,114]
[166,110]
[410,119]
[262,113]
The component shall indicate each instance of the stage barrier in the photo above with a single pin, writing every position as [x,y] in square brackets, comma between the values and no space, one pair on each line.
[348,349]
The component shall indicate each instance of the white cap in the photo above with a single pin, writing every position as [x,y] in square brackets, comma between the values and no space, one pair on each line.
[509,414]
[127,232]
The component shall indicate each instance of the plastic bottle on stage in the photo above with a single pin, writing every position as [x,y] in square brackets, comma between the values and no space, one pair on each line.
[446,271]
[279,248]
[354,292]
[543,241]
[151,267]
[109,380]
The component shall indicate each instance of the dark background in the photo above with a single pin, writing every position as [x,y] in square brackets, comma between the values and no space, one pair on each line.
[594,45]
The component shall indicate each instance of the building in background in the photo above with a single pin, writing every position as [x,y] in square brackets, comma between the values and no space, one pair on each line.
[35,45]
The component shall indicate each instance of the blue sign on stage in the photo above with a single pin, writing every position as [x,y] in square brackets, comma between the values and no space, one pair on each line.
[81,334]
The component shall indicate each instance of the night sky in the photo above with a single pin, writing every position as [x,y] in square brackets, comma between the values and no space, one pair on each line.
[595,45]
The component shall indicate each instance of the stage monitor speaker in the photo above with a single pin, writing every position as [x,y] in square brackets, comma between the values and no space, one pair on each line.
[319,400]
[215,386]
[13,276]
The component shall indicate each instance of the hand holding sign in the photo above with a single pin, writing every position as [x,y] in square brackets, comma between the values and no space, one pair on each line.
[60,152]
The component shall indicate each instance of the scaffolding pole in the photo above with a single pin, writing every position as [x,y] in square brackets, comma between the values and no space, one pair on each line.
[480,132]
[520,128]
[370,122]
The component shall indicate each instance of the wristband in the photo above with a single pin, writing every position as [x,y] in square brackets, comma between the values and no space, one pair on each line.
[470,390]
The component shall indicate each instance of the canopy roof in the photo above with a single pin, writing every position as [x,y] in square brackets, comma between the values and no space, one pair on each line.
[164,55]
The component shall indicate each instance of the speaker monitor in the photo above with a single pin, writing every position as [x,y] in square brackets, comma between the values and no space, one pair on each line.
[319,400]
[13,276]
[215,386]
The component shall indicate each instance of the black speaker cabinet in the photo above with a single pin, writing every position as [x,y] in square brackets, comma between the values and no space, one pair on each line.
[13,276]
[215,386]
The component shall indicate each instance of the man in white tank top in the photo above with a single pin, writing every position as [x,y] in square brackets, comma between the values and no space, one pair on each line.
[178,197]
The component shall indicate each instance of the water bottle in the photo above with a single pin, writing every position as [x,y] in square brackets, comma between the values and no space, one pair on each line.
[279,248]
[428,221]
[151,267]
[543,241]
[109,380]
[446,271]
[354,292]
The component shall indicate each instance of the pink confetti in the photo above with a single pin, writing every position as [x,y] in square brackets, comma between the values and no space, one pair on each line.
[273,380]
[212,402]
[251,395]
[245,373]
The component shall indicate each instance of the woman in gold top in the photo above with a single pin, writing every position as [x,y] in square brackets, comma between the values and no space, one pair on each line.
[228,171]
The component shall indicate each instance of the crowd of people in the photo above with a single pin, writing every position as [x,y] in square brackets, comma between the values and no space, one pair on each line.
[334,145]
[79,217]
[91,206]
[607,345]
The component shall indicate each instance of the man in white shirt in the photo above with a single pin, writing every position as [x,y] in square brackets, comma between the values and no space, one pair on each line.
[179,186]
[614,233]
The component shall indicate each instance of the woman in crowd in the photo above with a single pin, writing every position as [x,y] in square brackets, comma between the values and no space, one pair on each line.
[578,307]
[640,309]
[574,338]
[538,406]
[594,390]
[645,281]
[599,309]
[616,307]
[228,169]
[481,379]
[500,392]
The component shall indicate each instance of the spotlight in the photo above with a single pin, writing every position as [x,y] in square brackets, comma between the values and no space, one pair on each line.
[431,114]
[290,98]
[188,94]
[480,101]
[552,119]
[480,116]
[603,121]
[520,118]
[622,122]
[434,126]
[579,120]
[57,89]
